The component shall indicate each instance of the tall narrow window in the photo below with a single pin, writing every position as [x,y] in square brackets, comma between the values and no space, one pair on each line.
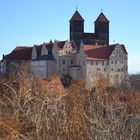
[102,62]
[83,62]
[63,61]
[71,62]
[96,62]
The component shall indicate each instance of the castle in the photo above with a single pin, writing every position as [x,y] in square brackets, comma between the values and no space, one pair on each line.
[85,56]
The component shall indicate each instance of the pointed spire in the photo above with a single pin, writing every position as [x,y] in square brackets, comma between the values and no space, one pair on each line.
[101,18]
[76,16]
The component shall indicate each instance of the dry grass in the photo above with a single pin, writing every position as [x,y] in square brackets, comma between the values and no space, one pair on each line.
[29,111]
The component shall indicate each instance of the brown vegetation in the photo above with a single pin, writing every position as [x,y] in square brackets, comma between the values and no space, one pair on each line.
[31,109]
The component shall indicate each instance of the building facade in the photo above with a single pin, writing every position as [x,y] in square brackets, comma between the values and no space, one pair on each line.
[86,56]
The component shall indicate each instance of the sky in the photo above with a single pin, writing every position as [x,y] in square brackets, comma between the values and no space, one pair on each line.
[29,22]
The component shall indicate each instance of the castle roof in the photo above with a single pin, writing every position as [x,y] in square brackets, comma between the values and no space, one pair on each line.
[20,53]
[101,18]
[76,16]
[45,57]
[100,52]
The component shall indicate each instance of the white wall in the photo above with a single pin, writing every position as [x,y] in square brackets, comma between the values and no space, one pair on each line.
[44,50]
[118,66]
[64,62]
[34,53]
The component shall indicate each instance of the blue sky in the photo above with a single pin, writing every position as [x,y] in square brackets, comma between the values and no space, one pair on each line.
[29,22]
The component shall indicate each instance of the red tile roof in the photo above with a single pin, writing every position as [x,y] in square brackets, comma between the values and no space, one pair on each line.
[20,53]
[76,16]
[99,52]
[61,44]
[101,18]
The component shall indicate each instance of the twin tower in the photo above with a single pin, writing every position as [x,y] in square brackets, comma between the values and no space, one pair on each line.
[101,35]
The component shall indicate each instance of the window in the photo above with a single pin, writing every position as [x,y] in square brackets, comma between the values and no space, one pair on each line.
[91,62]
[71,62]
[107,62]
[112,69]
[96,62]
[122,62]
[83,63]
[116,62]
[63,69]
[104,69]
[103,63]
[111,62]
[63,61]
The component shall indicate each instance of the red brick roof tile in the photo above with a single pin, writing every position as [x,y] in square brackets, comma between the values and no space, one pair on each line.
[98,52]
[20,53]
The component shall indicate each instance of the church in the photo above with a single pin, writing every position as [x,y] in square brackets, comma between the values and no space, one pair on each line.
[85,56]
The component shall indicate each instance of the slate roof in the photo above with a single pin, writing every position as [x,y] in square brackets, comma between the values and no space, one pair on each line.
[76,17]
[101,18]
[45,57]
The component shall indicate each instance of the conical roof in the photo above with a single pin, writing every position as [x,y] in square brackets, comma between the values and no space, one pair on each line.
[101,18]
[76,16]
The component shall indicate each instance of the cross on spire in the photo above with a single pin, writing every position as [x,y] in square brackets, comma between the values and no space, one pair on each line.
[76,7]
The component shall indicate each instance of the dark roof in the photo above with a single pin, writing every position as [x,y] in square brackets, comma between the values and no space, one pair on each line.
[61,44]
[73,66]
[20,53]
[101,18]
[39,48]
[76,16]
[49,47]
[89,35]
[45,57]
[98,52]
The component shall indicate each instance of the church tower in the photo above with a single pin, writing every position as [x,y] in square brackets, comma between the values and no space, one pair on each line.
[76,27]
[102,29]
